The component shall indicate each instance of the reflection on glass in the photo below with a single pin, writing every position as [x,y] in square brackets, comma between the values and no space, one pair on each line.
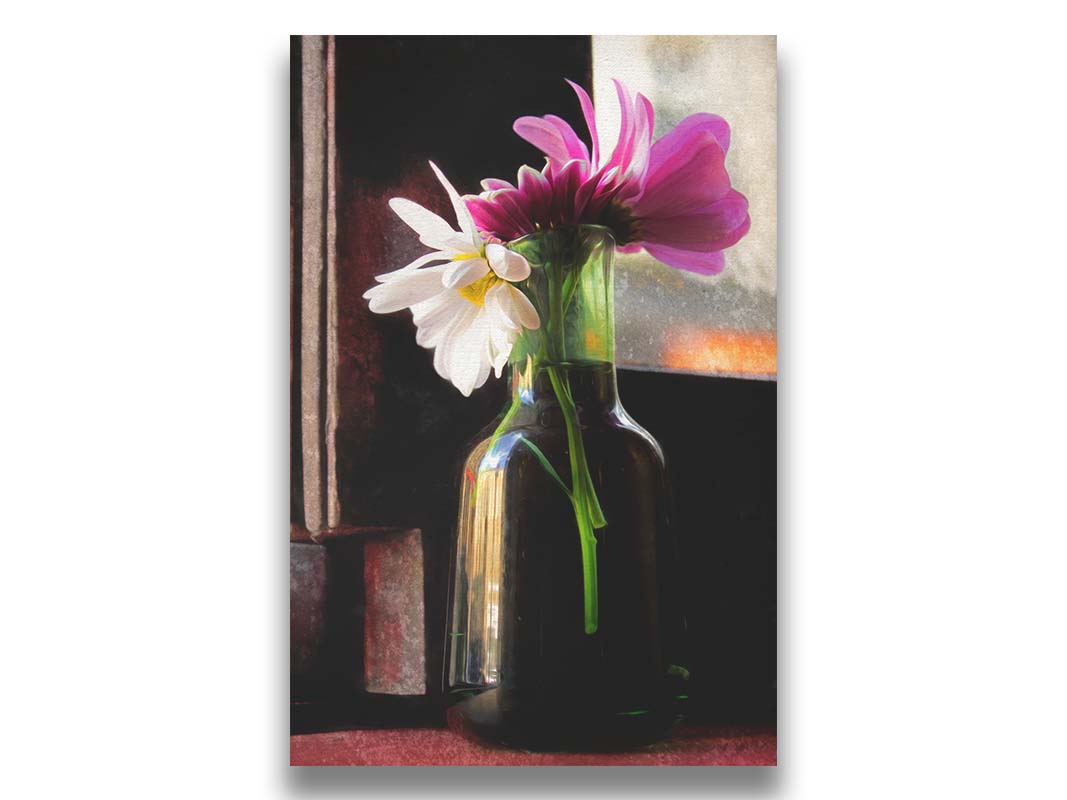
[476,610]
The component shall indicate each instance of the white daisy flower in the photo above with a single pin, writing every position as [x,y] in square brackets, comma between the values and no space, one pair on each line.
[467,309]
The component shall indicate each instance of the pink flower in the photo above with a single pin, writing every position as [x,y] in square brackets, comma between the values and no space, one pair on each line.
[557,195]
[672,197]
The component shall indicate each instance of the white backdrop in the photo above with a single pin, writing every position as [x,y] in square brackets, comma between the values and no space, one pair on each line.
[921,279]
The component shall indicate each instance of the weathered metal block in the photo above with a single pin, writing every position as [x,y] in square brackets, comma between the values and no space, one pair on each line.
[307,608]
[394,657]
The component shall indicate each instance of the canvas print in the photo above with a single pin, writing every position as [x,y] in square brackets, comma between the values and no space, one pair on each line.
[533,393]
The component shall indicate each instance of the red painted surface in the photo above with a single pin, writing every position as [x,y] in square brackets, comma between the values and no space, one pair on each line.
[394,642]
[430,747]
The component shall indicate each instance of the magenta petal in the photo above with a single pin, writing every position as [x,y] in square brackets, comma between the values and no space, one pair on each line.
[553,136]
[693,176]
[692,132]
[621,154]
[533,182]
[715,227]
[703,262]
[575,147]
[511,204]
[484,214]
[492,218]
[584,198]
[636,156]
[565,187]
[492,184]
[535,192]
[646,124]
[590,118]
[650,114]
[543,135]
[690,127]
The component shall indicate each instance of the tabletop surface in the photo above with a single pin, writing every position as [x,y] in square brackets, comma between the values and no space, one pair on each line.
[688,745]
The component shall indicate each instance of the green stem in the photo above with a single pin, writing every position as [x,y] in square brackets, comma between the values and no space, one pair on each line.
[583,498]
[552,353]
[547,466]
[587,511]
[560,298]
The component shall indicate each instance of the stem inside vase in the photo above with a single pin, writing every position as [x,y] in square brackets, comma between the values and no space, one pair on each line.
[571,287]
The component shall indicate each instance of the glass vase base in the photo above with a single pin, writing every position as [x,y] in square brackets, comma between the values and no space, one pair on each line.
[489,717]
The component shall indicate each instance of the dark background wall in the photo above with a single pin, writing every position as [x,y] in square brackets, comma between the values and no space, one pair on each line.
[402,101]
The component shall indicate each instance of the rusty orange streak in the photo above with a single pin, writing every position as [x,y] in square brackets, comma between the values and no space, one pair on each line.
[736,352]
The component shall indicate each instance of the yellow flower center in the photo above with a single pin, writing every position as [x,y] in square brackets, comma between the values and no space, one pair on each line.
[475,292]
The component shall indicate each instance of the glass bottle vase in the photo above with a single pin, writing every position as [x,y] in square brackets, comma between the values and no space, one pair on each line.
[564,630]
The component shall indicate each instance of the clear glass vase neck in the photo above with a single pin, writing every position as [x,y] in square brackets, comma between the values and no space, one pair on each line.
[571,285]
[592,385]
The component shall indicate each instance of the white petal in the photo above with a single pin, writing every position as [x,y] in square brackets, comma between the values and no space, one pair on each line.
[463,214]
[432,230]
[428,309]
[523,309]
[499,362]
[429,336]
[508,311]
[460,244]
[503,331]
[440,362]
[499,306]
[463,361]
[418,262]
[502,340]
[468,354]
[501,336]
[434,317]
[442,354]
[406,290]
[462,273]
[508,264]
[484,365]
